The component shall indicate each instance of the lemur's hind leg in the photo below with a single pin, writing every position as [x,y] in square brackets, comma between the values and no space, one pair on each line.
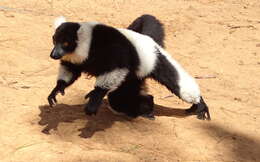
[170,73]
[104,83]
[132,106]
[130,99]
[146,106]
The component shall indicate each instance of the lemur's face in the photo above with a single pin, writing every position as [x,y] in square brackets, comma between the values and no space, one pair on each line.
[65,40]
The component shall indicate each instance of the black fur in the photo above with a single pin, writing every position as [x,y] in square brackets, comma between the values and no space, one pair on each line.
[128,100]
[149,25]
[166,74]
[110,50]
[66,33]
[95,99]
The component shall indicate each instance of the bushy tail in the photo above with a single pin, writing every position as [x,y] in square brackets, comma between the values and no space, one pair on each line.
[149,25]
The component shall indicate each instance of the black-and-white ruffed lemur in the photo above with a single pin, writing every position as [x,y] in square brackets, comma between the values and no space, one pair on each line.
[121,60]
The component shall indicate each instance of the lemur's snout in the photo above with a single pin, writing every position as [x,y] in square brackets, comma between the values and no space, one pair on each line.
[57,52]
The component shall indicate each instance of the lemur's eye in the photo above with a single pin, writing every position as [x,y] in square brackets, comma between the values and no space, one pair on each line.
[65,44]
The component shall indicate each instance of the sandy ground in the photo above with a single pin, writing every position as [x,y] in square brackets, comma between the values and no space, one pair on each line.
[216,38]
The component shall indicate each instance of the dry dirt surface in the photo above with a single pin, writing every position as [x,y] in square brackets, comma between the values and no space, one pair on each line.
[217,41]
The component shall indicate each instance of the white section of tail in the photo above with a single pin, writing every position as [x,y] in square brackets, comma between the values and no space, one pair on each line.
[58,21]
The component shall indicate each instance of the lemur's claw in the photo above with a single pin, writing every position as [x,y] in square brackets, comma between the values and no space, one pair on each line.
[202,115]
[52,97]
[201,110]
[52,100]
[87,96]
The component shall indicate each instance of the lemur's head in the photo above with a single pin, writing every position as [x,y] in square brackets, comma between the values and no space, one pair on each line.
[70,40]
[65,40]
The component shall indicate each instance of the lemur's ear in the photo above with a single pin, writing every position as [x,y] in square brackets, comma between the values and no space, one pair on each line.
[58,21]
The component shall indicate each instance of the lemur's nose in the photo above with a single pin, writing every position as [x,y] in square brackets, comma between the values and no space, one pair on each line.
[57,52]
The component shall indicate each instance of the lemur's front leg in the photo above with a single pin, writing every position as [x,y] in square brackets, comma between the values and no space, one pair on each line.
[66,77]
[106,82]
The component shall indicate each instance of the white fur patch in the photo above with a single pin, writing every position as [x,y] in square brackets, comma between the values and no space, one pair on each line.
[111,80]
[64,74]
[58,21]
[145,47]
[189,89]
[84,40]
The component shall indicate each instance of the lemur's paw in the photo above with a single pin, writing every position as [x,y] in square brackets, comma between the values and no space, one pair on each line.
[90,111]
[203,115]
[201,110]
[95,100]
[52,99]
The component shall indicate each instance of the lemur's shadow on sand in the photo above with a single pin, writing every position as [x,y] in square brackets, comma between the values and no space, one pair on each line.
[52,117]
